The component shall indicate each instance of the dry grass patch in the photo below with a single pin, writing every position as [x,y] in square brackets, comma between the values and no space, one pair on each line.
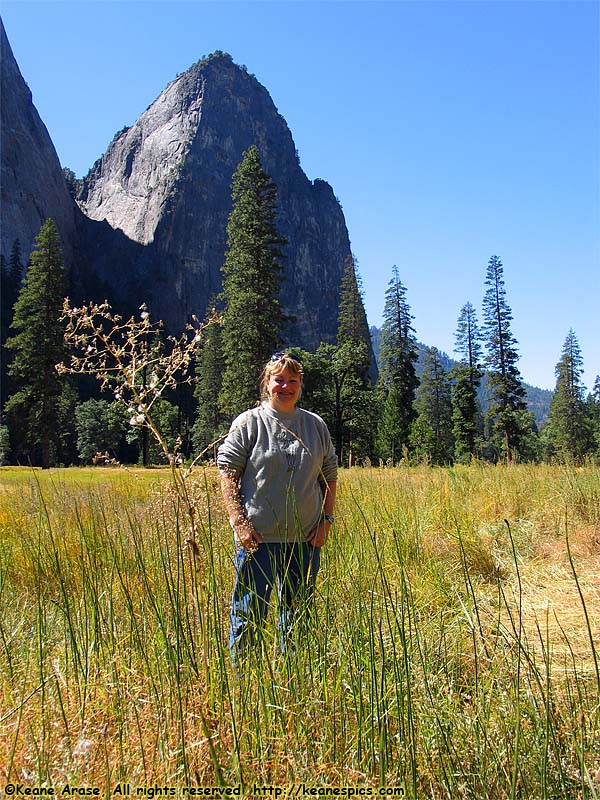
[557,606]
[451,656]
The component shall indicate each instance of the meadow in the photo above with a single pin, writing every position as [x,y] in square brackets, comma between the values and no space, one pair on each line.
[453,650]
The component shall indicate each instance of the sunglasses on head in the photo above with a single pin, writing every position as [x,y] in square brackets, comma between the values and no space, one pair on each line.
[278,356]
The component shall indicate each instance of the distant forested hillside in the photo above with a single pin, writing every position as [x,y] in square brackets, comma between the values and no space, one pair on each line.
[538,400]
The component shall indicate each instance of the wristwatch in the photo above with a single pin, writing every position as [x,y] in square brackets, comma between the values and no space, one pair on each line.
[328,518]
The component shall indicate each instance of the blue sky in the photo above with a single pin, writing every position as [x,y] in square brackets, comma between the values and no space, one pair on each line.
[450,132]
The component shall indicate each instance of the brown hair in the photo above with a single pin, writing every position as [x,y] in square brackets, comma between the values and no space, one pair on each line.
[278,363]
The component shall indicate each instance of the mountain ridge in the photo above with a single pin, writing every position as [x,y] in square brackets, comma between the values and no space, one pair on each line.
[175,165]
[150,220]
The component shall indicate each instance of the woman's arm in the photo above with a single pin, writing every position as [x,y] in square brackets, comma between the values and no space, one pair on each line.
[318,536]
[329,499]
[243,529]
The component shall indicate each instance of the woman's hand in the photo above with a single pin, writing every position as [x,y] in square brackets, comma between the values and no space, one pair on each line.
[246,535]
[318,536]
[243,530]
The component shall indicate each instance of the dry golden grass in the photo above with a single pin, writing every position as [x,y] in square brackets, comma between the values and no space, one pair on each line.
[455,653]
[551,600]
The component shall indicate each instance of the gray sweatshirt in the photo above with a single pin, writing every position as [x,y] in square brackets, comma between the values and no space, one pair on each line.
[283,462]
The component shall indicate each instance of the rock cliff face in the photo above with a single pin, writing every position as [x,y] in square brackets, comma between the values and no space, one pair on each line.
[155,206]
[166,184]
[32,184]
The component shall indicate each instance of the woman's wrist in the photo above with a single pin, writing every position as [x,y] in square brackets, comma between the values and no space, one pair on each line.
[242,524]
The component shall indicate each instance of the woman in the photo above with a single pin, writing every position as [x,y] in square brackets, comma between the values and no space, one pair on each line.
[278,477]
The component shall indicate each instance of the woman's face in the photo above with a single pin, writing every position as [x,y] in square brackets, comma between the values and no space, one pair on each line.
[283,390]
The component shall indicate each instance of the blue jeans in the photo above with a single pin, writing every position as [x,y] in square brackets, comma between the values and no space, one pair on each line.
[293,566]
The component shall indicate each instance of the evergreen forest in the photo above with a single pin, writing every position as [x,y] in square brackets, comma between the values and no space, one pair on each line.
[409,404]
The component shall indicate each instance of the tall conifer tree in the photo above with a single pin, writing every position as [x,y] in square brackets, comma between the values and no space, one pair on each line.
[593,403]
[5,319]
[209,423]
[353,328]
[10,284]
[350,367]
[504,382]
[431,433]
[466,413]
[398,375]
[253,318]
[570,427]
[36,406]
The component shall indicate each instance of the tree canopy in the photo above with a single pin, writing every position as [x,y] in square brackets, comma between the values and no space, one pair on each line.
[506,388]
[39,398]
[253,318]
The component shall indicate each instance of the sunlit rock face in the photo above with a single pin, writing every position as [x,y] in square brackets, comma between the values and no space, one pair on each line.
[165,183]
[149,225]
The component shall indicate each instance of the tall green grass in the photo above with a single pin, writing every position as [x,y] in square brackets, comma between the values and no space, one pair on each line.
[423,666]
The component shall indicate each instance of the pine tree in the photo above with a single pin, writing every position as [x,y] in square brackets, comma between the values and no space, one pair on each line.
[431,435]
[350,369]
[39,402]
[4,445]
[530,442]
[504,382]
[468,340]
[569,427]
[398,377]
[593,403]
[74,184]
[209,422]
[466,413]
[5,320]
[353,327]
[337,383]
[253,318]
[10,284]
[392,432]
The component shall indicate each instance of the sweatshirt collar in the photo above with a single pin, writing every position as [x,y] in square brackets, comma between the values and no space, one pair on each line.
[268,409]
